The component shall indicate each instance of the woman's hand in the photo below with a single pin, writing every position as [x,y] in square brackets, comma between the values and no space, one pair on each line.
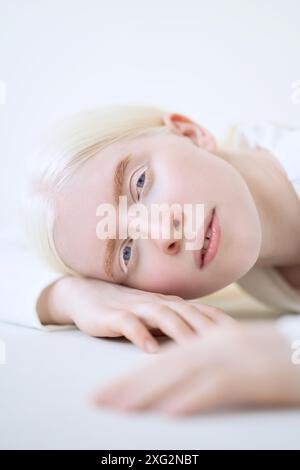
[229,367]
[104,309]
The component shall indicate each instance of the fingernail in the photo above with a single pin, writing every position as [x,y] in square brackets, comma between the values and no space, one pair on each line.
[151,346]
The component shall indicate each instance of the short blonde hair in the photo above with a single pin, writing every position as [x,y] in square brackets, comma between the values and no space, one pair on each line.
[65,147]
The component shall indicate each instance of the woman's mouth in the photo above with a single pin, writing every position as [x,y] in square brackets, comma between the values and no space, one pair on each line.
[211,242]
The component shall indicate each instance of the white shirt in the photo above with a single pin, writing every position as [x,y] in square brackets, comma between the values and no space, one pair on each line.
[267,284]
[23,278]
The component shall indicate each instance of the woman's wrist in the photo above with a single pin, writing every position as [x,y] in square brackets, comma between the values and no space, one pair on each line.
[52,305]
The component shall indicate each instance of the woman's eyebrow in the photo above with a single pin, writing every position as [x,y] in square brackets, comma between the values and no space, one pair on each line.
[118,184]
[119,174]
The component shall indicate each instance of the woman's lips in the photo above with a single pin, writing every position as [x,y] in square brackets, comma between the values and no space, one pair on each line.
[214,242]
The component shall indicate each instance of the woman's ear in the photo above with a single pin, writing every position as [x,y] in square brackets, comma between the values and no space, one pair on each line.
[182,125]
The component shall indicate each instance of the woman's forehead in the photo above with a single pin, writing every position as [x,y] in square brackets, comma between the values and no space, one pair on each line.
[76,220]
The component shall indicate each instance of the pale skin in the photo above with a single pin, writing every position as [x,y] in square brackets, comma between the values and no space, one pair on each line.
[230,367]
[183,162]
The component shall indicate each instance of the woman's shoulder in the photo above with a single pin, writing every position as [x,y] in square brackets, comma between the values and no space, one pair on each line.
[291,274]
[268,285]
[278,142]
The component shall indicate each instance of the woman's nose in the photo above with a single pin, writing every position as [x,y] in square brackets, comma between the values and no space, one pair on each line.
[169,247]
[165,231]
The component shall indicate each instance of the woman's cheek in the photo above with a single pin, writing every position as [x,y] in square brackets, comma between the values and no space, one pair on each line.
[166,281]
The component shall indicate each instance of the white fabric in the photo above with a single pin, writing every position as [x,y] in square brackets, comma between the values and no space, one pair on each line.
[282,141]
[266,284]
[23,278]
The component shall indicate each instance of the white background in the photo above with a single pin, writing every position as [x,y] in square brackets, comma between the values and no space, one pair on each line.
[218,61]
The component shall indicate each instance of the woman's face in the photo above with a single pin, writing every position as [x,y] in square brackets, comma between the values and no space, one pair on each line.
[168,168]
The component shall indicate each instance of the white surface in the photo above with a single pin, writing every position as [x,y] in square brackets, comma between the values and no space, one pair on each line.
[220,62]
[48,378]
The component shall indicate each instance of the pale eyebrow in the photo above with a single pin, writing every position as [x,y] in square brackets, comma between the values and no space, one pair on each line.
[118,183]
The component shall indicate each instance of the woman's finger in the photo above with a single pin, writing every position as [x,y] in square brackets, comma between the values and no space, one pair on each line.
[199,394]
[216,314]
[128,325]
[147,385]
[165,319]
[197,320]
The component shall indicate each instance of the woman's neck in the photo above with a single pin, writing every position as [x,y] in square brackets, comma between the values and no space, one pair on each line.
[277,203]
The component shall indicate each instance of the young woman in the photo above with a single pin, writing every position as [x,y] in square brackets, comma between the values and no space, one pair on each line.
[135,287]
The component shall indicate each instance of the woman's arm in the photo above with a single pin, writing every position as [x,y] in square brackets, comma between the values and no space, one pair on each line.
[22,279]
[104,309]
[253,364]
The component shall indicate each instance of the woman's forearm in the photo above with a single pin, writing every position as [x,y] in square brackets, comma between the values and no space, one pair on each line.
[105,309]
[51,305]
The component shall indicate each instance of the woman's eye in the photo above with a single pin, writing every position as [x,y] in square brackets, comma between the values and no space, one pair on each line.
[126,253]
[140,183]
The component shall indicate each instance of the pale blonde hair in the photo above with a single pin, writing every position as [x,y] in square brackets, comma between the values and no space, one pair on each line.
[65,147]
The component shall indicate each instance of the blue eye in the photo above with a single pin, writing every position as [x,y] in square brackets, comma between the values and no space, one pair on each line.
[126,253]
[141,181]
